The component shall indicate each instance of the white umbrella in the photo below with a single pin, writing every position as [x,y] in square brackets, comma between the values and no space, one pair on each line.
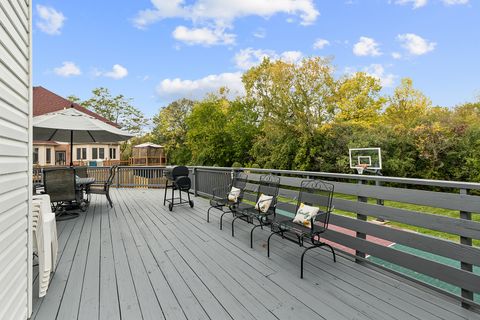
[71,125]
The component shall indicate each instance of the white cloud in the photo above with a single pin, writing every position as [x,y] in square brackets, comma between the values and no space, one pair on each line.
[203,36]
[366,47]
[68,69]
[320,44]
[378,71]
[223,13]
[396,55]
[117,72]
[416,3]
[291,56]
[422,3]
[415,44]
[454,2]
[51,20]
[247,58]
[198,88]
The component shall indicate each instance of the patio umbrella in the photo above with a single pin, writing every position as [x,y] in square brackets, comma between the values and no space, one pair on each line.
[71,125]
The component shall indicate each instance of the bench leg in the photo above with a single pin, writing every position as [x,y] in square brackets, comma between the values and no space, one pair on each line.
[268,241]
[301,259]
[323,244]
[221,219]
[233,227]
[208,214]
[251,234]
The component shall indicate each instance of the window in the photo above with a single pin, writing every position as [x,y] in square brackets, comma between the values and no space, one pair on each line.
[48,155]
[35,155]
[81,153]
[101,153]
[94,153]
[113,153]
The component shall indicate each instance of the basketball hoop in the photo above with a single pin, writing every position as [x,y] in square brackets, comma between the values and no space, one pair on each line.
[361,167]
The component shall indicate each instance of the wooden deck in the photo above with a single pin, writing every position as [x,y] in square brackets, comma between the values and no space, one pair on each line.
[140,261]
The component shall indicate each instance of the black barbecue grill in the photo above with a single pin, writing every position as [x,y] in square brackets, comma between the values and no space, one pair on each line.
[177,179]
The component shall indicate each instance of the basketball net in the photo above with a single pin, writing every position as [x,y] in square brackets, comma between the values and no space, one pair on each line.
[361,167]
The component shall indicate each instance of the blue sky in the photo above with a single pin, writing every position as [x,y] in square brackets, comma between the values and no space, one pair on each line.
[157,51]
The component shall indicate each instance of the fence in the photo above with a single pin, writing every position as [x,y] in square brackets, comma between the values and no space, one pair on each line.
[362,199]
[359,199]
[125,176]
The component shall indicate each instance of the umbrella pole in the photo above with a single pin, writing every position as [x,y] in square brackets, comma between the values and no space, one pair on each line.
[71,148]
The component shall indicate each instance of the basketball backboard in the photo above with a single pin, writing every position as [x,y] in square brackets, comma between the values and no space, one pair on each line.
[365,158]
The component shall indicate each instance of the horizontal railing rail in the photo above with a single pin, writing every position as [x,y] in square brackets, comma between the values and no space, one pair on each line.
[411,203]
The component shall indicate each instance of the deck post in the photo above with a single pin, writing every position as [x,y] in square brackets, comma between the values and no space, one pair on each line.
[362,217]
[380,202]
[195,182]
[466,266]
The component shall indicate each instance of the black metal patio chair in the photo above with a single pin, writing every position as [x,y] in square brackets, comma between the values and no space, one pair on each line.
[263,212]
[227,198]
[60,185]
[104,188]
[313,210]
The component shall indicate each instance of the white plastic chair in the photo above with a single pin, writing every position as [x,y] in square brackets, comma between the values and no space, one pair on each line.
[45,240]
[49,219]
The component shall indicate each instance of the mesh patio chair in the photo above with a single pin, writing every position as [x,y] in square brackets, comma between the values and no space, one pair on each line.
[104,188]
[225,199]
[81,172]
[263,212]
[313,210]
[60,185]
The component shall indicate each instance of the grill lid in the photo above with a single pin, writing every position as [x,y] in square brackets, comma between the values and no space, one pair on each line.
[172,173]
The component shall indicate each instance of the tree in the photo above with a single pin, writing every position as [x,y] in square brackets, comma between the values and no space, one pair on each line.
[358,99]
[117,109]
[406,106]
[170,129]
[293,101]
[206,136]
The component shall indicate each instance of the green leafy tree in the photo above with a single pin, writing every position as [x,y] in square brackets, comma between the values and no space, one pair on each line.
[293,101]
[170,130]
[118,109]
[206,137]
[358,100]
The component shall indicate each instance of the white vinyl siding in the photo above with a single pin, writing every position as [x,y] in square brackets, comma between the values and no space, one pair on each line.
[15,159]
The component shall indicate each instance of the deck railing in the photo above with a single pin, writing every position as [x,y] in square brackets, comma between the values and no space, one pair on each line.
[446,215]
[361,200]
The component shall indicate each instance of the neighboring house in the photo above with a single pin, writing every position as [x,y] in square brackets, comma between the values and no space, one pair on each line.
[49,153]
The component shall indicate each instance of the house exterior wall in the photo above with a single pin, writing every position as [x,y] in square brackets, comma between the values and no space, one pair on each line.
[42,151]
[15,159]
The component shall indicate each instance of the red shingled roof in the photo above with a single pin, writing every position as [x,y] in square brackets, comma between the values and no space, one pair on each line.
[45,101]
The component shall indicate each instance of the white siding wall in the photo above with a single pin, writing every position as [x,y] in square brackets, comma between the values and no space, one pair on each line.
[15,159]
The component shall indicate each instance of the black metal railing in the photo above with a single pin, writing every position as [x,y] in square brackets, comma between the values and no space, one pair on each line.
[361,200]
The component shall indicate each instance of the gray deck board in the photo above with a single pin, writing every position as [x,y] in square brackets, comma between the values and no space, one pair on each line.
[140,261]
